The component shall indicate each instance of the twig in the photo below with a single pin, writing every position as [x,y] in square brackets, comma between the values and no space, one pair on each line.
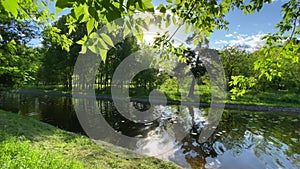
[180,24]
[295,26]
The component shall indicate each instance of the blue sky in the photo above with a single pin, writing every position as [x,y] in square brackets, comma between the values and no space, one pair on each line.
[246,29]
[243,29]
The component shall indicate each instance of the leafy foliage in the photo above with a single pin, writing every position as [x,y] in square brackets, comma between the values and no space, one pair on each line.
[18,62]
[199,17]
[241,85]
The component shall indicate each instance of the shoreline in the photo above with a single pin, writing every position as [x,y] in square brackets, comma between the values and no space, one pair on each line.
[229,106]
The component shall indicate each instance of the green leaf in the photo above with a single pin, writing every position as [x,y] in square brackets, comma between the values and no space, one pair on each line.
[90,25]
[78,11]
[93,48]
[107,39]
[82,41]
[11,6]
[103,54]
[161,8]
[168,20]
[63,4]
[177,2]
[187,27]
[295,59]
[71,28]
[126,29]
[147,20]
[101,44]
[110,27]
[145,5]
[113,13]
[86,14]
[174,19]
[83,49]
[58,10]
[138,33]
[94,35]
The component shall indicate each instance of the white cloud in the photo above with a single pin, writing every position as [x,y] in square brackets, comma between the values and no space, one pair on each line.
[240,36]
[251,42]
[221,42]
[229,35]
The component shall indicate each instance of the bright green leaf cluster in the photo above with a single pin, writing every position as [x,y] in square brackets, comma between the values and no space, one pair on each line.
[240,85]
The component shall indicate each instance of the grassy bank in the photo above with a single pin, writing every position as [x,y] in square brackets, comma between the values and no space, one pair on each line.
[268,98]
[27,143]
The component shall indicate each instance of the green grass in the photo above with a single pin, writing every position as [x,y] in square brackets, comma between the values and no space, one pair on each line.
[27,143]
[17,152]
[269,98]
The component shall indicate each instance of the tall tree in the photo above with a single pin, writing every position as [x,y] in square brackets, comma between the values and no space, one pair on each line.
[58,64]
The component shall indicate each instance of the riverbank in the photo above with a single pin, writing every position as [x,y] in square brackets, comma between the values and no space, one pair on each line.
[27,143]
[272,98]
[246,103]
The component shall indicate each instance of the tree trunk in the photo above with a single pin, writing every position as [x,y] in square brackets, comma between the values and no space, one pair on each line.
[192,88]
